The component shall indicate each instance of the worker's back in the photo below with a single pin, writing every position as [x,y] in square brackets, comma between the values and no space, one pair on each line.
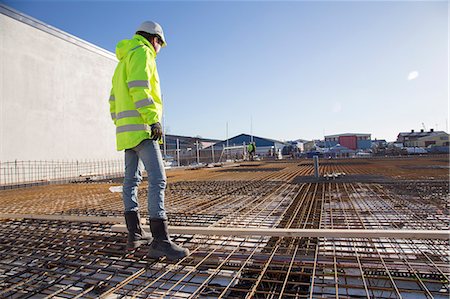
[136,92]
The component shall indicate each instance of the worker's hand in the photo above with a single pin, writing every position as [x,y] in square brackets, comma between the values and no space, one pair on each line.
[156,131]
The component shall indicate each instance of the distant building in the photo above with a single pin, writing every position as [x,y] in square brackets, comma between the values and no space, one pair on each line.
[310,145]
[186,142]
[301,144]
[351,141]
[439,139]
[264,146]
[292,148]
[423,138]
[188,150]
[379,143]
[338,151]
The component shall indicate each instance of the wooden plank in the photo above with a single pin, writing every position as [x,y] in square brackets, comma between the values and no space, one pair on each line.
[96,219]
[282,232]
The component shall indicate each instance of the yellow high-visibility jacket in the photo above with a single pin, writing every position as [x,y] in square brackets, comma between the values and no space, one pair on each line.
[135,100]
[251,148]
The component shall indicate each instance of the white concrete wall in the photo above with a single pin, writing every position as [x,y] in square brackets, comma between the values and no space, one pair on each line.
[54,95]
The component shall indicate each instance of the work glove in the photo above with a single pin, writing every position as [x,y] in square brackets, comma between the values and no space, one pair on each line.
[156,131]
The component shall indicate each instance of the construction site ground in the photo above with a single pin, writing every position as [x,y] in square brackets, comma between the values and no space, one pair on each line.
[47,258]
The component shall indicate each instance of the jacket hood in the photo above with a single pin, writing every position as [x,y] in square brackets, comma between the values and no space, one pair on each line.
[125,46]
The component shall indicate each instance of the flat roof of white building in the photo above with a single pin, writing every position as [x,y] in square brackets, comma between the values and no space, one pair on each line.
[21,17]
[348,134]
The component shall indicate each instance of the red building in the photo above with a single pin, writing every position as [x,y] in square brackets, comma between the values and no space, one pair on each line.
[351,141]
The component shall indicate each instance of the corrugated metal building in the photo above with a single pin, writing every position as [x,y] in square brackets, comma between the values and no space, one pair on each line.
[263,145]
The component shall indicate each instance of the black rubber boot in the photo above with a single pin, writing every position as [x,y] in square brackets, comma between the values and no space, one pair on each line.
[161,245]
[136,235]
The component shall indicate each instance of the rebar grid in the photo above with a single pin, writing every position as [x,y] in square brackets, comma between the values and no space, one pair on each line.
[43,259]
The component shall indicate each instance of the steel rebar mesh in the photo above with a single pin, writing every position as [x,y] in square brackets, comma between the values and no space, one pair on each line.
[41,258]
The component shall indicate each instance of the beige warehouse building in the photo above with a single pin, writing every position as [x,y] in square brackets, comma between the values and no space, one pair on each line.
[423,138]
[440,139]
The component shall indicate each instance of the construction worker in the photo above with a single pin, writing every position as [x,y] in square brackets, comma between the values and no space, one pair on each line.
[136,109]
[251,148]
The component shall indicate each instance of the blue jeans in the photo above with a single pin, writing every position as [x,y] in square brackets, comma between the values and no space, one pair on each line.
[149,152]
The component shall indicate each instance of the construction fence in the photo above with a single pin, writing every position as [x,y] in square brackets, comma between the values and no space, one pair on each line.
[13,173]
[41,172]
[204,156]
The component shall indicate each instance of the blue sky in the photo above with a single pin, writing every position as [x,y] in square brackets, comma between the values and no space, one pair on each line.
[293,69]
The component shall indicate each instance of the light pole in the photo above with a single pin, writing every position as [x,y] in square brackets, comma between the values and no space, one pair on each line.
[198,153]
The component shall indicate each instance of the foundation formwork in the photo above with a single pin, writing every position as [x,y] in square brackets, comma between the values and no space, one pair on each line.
[71,259]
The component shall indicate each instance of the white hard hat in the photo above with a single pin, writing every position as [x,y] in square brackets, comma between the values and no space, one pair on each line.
[153,28]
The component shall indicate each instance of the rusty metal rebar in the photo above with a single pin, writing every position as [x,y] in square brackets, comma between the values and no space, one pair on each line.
[49,258]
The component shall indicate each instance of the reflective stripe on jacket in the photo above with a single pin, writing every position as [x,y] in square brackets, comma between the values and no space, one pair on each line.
[135,100]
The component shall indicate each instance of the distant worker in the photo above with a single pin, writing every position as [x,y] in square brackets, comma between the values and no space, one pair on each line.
[251,148]
[136,109]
